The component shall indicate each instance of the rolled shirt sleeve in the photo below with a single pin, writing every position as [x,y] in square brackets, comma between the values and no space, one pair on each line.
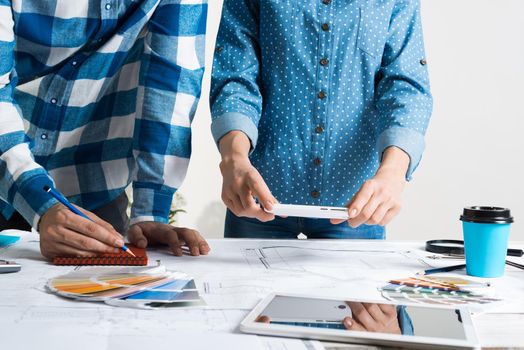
[403,98]
[236,100]
[169,90]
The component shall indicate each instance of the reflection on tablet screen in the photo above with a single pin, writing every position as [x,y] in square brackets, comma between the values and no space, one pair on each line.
[364,317]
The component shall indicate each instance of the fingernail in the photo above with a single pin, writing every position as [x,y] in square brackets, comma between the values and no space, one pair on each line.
[119,242]
[353,213]
[348,322]
[269,205]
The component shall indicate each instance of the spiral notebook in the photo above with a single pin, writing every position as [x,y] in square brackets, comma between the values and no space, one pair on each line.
[121,258]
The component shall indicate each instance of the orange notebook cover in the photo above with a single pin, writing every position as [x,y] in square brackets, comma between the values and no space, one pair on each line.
[121,258]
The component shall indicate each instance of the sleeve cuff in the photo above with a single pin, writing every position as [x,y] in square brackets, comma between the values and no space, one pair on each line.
[31,201]
[150,204]
[408,140]
[231,121]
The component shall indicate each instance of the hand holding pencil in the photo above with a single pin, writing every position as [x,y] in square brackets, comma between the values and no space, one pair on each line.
[64,232]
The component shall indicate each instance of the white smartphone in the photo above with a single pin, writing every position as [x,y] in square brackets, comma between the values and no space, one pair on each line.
[310,211]
[9,266]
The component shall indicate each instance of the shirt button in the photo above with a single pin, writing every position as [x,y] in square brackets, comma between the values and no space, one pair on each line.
[322,95]
[108,7]
[423,62]
[74,63]
[54,100]
[317,161]
[315,194]
[326,2]
[325,27]
[43,136]
[324,62]
[319,129]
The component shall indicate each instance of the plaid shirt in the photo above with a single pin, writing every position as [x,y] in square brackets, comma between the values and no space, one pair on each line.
[95,95]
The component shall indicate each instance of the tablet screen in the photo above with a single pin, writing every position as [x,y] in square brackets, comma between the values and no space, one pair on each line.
[365,317]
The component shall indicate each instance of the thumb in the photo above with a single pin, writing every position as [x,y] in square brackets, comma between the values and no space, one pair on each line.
[262,192]
[135,234]
[350,214]
[352,325]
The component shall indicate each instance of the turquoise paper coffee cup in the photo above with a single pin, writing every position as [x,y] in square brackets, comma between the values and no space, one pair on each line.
[486,235]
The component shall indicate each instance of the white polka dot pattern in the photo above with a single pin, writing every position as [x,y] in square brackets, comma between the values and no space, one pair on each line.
[321,87]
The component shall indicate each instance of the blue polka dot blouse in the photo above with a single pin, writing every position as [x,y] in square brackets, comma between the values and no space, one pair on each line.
[321,88]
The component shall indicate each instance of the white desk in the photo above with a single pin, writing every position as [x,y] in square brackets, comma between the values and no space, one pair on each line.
[231,279]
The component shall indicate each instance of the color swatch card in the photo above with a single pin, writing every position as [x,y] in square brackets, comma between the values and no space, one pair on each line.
[419,282]
[142,287]
[456,282]
[441,290]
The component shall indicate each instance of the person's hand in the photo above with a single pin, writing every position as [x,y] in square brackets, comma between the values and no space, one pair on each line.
[241,181]
[153,233]
[63,232]
[371,317]
[378,200]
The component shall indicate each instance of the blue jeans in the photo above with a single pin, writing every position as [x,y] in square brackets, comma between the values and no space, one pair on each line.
[291,227]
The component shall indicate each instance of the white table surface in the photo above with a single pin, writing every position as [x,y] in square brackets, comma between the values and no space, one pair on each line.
[231,282]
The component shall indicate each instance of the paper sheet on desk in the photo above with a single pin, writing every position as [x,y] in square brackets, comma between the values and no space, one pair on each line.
[328,268]
[60,335]
[215,341]
[66,340]
[249,270]
[235,276]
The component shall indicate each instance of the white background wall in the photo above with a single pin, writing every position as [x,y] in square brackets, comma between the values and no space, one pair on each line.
[475,142]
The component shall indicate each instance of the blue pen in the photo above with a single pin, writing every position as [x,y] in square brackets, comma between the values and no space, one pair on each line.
[442,269]
[71,207]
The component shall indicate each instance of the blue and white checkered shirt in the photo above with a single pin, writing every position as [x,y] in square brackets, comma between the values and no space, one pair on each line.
[95,95]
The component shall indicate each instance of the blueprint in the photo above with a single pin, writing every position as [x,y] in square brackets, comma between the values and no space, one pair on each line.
[238,273]
[232,280]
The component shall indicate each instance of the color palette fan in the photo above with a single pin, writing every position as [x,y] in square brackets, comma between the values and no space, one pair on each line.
[141,287]
[437,290]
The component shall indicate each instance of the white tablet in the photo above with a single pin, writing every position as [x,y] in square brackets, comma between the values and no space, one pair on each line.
[310,211]
[382,323]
